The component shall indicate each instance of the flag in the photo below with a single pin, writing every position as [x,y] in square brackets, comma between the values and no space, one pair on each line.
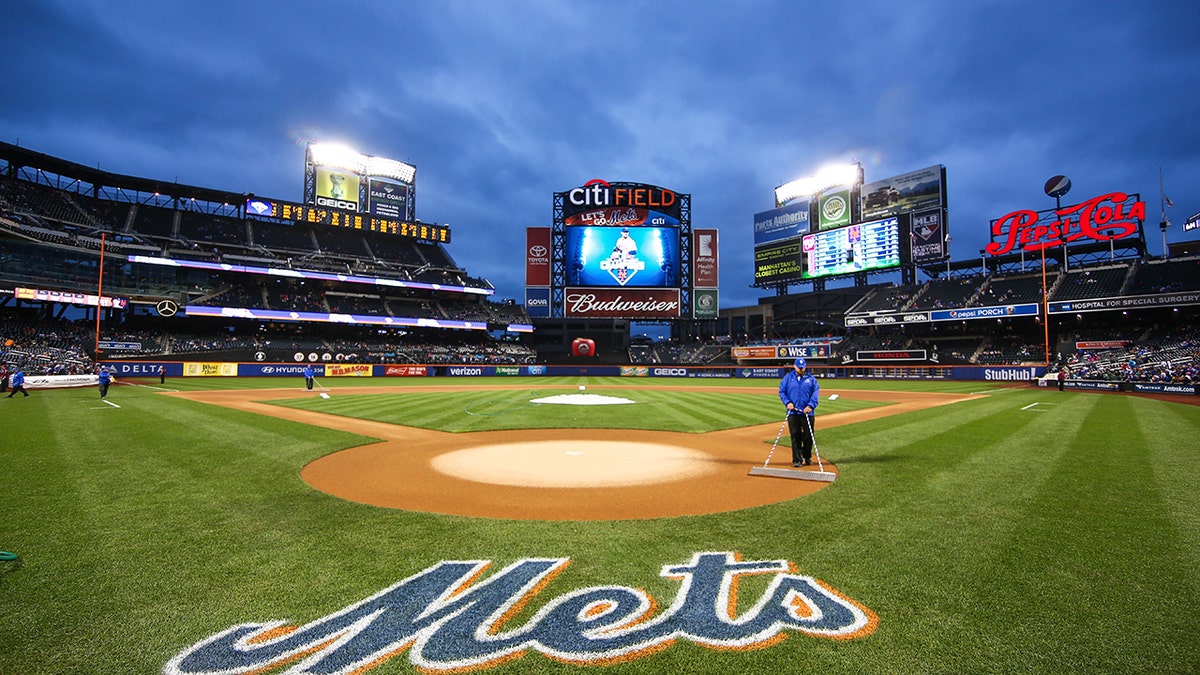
[1168,200]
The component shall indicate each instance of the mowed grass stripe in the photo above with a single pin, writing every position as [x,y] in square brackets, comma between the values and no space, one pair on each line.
[496,409]
[1175,463]
[1093,537]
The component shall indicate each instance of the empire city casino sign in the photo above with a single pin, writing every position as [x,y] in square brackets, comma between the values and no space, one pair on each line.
[1103,218]
[447,622]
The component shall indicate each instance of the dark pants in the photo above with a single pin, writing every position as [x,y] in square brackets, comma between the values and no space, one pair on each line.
[802,440]
[1060,385]
[19,388]
[308,382]
[103,389]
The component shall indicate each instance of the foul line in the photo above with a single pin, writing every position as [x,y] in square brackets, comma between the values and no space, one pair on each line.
[1033,404]
[109,403]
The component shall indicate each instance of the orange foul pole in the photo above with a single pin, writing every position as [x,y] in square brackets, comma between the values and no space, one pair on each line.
[100,295]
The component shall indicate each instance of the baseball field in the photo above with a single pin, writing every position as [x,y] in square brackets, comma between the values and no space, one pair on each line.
[220,525]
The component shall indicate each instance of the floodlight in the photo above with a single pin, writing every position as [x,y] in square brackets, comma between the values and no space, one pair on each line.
[336,156]
[390,168]
[828,176]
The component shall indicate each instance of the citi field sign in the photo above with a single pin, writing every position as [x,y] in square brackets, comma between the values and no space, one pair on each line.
[599,202]
[1115,215]
[447,620]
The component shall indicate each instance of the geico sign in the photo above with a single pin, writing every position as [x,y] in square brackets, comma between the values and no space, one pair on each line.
[669,372]
[597,192]
[337,204]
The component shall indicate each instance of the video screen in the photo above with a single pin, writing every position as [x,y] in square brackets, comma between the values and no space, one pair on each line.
[622,256]
[855,248]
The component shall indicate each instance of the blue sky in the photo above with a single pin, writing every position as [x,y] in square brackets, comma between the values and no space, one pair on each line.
[500,104]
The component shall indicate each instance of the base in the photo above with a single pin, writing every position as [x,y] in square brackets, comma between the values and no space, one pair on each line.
[798,474]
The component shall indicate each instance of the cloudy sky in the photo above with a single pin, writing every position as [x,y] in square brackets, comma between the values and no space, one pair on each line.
[501,103]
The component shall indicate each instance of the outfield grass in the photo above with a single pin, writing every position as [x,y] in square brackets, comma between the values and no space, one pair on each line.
[1027,531]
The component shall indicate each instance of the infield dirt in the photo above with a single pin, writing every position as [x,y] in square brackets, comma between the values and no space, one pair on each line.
[559,474]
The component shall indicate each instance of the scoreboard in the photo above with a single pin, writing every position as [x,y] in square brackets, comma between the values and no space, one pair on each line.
[860,247]
[264,209]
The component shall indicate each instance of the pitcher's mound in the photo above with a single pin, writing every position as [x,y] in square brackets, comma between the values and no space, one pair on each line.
[573,464]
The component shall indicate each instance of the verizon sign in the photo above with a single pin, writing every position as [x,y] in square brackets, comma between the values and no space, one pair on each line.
[622,303]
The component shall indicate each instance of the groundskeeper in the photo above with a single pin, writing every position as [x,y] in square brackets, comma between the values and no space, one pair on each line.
[800,394]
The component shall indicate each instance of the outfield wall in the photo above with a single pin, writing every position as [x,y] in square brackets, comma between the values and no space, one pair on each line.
[149,369]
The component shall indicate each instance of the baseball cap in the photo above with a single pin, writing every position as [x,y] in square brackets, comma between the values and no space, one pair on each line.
[801,363]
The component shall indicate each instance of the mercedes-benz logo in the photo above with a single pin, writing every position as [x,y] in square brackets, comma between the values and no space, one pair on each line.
[167,307]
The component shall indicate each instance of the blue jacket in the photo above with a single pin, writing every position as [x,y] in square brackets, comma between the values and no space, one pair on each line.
[105,377]
[801,391]
[308,372]
[18,379]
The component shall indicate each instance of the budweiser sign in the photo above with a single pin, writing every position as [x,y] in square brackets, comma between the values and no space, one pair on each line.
[623,303]
[1111,216]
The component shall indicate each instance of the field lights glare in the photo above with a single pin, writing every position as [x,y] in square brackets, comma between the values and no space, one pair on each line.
[336,156]
[827,176]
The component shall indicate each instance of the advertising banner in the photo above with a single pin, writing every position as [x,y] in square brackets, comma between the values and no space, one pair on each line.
[622,303]
[761,373]
[537,256]
[927,234]
[195,369]
[405,371]
[705,303]
[278,369]
[1102,344]
[778,262]
[908,192]
[537,302]
[999,373]
[600,202]
[705,264]
[348,370]
[787,222]
[891,355]
[67,297]
[833,209]
[1130,302]
[754,353]
[388,199]
[336,189]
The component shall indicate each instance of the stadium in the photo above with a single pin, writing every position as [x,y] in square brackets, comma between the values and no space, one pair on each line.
[470,485]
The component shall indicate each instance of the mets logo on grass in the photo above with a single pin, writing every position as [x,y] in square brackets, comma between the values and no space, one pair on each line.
[449,621]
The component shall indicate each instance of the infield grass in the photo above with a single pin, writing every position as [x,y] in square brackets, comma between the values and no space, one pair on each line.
[1029,531]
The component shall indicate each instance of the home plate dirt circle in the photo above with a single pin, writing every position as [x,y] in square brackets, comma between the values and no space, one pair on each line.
[573,464]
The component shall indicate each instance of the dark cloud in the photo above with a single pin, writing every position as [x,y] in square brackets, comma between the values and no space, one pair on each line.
[501,104]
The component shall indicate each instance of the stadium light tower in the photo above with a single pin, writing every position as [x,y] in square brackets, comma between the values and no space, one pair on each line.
[827,176]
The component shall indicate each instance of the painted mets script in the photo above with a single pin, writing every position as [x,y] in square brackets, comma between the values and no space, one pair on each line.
[448,622]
